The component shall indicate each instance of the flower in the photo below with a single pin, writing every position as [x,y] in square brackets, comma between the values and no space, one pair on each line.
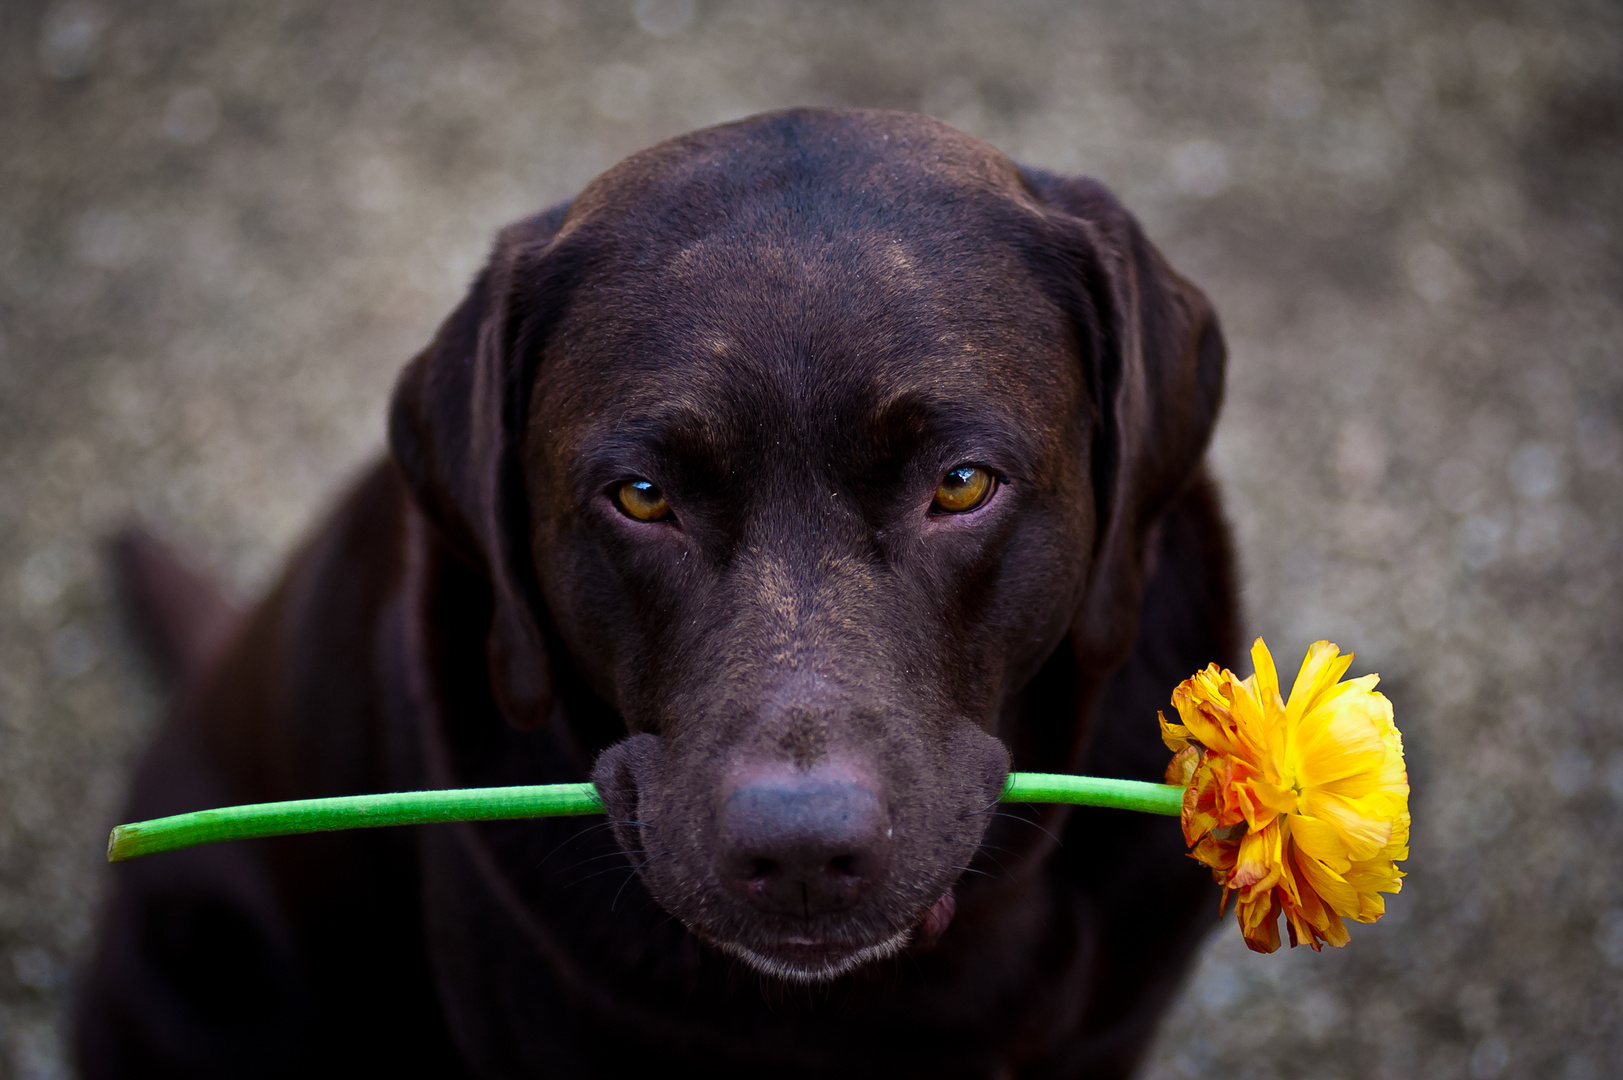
[1300,807]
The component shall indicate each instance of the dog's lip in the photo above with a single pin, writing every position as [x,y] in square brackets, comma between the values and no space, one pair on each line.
[802,948]
[803,959]
[808,950]
[934,922]
[806,958]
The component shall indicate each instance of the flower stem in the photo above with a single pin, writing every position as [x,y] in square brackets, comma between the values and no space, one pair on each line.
[1094,791]
[350,812]
[543,800]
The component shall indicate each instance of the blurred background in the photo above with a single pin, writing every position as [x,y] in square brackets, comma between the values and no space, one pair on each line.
[224,228]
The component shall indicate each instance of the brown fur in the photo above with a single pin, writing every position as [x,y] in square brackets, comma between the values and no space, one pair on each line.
[793,325]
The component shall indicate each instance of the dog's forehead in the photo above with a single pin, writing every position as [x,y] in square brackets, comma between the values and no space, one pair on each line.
[814,264]
[798,333]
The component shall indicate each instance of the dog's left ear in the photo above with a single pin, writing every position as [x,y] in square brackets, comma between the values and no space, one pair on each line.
[1154,358]
[456,425]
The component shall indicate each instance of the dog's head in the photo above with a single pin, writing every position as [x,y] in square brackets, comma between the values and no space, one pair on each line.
[805,442]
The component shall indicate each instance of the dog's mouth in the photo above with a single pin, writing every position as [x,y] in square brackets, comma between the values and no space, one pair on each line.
[798,958]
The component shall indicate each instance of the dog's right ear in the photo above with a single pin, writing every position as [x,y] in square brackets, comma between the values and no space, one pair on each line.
[455,428]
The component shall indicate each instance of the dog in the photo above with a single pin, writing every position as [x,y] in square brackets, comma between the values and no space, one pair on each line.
[793,483]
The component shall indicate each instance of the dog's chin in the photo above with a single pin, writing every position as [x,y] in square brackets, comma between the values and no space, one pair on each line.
[804,960]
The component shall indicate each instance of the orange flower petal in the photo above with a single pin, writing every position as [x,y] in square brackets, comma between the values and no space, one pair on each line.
[1175,736]
[1324,883]
[1342,737]
[1260,860]
[1215,853]
[1321,670]
[1362,834]
[1319,840]
[1259,922]
[1262,661]
[1181,769]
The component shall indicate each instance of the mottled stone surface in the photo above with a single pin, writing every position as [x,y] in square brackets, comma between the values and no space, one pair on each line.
[223,228]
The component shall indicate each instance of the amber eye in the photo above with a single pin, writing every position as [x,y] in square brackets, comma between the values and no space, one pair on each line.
[642,500]
[963,489]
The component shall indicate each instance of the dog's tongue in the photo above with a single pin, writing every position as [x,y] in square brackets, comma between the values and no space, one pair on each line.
[938,918]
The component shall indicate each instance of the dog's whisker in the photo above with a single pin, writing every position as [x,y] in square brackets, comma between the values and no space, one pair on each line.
[627,881]
[617,852]
[585,864]
[990,852]
[584,833]
[572,838]
[593,876]
[633,868]
[1027,821]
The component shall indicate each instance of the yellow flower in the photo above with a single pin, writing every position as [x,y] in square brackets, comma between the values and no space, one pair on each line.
[1300,807]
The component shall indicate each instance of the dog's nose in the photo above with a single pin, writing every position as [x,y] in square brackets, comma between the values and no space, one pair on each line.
[804,843]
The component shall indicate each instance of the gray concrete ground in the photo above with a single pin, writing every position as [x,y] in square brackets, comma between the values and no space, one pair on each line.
[224,227]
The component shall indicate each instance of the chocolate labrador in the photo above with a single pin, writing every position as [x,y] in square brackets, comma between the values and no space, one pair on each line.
[795,482]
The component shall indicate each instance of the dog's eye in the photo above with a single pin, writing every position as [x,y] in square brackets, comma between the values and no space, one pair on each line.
[963,489]
[642,500]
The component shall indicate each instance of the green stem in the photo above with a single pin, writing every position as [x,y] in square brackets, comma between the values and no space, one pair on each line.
[349,812]
[544,800]
[1094,791]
